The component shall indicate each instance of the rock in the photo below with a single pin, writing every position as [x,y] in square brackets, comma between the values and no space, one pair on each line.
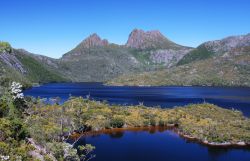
[168,57]
[241,143]
[230,45]
[93,41]
[12,62]
[140,39]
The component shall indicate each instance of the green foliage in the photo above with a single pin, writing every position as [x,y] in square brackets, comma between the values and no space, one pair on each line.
[37,72]
[117,122]
[63,151]
[86,151]
[13,130]
[201,121]
[200,53]
[5,47]
[46,124]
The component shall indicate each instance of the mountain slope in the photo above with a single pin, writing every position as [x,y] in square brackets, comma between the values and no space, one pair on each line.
[21,66]
[100,63]
[220,63]
[209,72]
[233,44]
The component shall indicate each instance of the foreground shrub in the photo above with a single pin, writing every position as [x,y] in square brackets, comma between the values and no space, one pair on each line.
[117,122]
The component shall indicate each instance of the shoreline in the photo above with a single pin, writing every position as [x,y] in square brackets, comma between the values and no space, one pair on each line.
[146,85]
[171,127]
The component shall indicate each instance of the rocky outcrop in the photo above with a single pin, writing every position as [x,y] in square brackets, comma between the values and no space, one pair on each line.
[140,39]
[93,41]
[168,57]
[12,61]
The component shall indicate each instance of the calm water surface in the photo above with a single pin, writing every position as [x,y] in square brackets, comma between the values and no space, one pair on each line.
[166,97]
[153,145]
[157,145]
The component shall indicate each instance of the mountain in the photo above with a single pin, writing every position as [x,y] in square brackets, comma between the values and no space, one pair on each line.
[95,59]
[156,47]
[223,62]
[93,41]
[148,58]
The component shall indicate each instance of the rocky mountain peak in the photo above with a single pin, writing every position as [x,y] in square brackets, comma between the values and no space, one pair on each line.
[93,41]
[140,39]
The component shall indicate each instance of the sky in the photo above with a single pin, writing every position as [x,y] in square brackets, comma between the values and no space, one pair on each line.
[53,27]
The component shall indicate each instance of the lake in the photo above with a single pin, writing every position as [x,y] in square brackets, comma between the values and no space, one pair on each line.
[156,145]
[153,144]
[165,97]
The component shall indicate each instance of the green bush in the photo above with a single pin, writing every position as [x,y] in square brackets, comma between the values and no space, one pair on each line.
[117,122]
[152,122]
[161,123]
[5,47]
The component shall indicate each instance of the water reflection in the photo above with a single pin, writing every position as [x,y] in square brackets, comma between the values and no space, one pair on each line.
[161,144]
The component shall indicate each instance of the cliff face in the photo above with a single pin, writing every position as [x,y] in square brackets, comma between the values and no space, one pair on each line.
[140,39]
[93,41]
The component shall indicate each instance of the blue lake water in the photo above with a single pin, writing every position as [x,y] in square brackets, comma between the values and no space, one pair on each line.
[166,97]
[156,145]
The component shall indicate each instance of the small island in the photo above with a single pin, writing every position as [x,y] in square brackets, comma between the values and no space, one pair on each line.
[207,123]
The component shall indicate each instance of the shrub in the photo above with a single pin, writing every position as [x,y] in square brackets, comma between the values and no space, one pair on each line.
[152,122]
[161,123]
[5,47]
[117,122]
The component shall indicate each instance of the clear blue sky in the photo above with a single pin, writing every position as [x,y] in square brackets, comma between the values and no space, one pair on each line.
[53,27]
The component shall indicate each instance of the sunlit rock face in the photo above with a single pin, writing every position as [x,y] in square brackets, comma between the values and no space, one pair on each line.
[93,41]
[140,39]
